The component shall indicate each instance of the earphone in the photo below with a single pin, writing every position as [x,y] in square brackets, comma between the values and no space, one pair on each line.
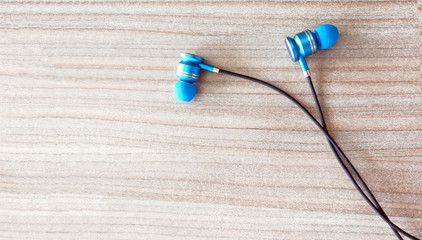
[306,43]
[300,46]
[188,71]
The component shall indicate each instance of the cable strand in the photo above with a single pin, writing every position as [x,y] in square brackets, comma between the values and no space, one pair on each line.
[328,136]
[357,175]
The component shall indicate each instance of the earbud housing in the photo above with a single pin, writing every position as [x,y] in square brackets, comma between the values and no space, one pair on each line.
[302,45]
[188,69]
[188,72]
[307,42]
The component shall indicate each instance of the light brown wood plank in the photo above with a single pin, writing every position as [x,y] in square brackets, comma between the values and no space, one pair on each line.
[93,144]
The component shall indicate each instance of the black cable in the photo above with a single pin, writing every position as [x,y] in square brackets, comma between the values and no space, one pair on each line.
[338,149]
[357,175]
[325,133]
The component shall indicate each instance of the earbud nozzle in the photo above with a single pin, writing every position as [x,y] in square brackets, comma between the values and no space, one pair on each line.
[327,35]
[184,91]
[188,57]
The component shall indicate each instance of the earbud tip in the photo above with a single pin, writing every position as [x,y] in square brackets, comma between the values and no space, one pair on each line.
[327,35]
[184,91]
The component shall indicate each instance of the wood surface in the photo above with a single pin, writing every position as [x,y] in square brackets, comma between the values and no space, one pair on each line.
[93,144]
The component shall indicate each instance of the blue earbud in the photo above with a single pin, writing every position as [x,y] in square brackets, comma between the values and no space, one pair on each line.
[188,71]
[307,43]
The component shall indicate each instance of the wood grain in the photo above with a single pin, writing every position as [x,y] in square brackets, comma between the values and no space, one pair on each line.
[94,145]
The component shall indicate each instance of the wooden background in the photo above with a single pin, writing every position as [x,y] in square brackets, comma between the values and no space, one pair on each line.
[95,146]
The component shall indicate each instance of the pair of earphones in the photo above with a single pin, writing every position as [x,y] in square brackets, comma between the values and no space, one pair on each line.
[301,45]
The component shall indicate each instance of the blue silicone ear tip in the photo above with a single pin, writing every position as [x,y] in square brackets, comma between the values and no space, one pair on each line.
[327,35]
[184,91]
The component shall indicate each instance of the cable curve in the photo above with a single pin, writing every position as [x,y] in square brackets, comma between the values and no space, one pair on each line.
[328,136]
[357,175]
